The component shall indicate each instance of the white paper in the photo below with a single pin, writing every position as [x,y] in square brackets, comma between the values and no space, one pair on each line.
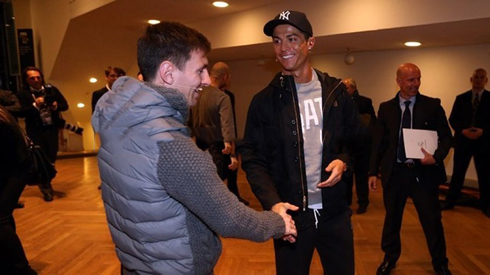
[414,139]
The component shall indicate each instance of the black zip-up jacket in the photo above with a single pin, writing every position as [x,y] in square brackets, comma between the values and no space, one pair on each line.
[272,147]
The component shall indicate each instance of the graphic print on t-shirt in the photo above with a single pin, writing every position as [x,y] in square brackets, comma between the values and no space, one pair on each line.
[310,107]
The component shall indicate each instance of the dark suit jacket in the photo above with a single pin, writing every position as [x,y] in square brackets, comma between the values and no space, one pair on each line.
[462,114]
[365,109]
[97,95]
[428,114]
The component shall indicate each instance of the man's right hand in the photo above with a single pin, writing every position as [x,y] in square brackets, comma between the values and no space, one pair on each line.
[227,149]
[373,181]
[290,232]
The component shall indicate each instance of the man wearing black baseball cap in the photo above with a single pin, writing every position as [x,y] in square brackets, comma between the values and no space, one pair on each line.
[295,150]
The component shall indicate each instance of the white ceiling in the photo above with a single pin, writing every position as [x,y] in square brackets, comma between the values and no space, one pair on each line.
[107,35]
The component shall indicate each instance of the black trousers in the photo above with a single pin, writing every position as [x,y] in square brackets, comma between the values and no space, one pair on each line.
[222,161]
[333,239]
[361,169]
[463,151]
[404,183]
[48,141]
[12,256]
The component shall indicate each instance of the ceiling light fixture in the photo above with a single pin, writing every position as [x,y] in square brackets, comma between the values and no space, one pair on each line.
[349,58]
[92,80]
[153,21]
[412,44]
[80,105]
[220,4]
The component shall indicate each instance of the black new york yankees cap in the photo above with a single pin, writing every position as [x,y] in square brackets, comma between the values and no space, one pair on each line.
[294,18]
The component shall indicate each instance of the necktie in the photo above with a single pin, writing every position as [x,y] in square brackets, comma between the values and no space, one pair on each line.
[476,102]
[406,123]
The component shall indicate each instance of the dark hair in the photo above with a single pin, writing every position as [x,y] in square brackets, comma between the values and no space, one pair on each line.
[117,70]
[24,76]
[168,41]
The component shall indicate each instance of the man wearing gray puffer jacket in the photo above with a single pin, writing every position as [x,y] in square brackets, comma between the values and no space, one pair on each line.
[164,201]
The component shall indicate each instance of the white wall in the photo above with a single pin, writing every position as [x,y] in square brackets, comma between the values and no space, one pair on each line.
[445,74]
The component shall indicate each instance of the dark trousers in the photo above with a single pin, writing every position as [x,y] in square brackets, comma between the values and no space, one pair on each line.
[222,161]
[333,240]
[48,141]
[12,256]
[463,152]
[361,169]
[404,183]
[232,182]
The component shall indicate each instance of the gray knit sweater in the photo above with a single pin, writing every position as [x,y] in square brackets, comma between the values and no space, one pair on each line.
[164,202]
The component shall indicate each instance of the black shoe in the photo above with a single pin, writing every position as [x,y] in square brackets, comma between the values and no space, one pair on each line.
[361,209]
[443,270]
[244,201]
[385,268]
[445,205]
[48,197]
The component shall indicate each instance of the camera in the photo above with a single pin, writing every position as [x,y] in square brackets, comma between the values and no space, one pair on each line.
[48,95]
[45,108]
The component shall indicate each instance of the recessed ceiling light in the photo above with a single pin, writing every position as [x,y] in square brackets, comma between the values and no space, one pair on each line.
[80,105]
[92,80]
[412,44]
[153,21]
[220,4]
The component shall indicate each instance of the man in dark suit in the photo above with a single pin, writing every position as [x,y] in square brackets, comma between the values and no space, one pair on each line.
[362,151]
[402,177]
[470,119]
[111,75]
[41,105]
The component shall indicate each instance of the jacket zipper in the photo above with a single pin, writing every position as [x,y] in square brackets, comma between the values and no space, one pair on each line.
[298,135]
[299,147]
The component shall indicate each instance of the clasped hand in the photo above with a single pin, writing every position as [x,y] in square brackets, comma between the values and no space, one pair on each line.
[473,133]
[290,232]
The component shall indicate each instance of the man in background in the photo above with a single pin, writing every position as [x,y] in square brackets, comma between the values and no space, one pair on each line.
[41,105]
[15,164]
[470,119]
[402,176]
[213,123]
[10,102]
[362,151]
[111,75]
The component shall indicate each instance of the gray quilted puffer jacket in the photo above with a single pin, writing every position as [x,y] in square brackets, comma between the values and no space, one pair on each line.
[164,201]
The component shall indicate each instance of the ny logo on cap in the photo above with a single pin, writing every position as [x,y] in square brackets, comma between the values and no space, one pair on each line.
[284,15]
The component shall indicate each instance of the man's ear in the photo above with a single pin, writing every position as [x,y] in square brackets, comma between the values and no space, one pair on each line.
[311,43]
[165,72]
